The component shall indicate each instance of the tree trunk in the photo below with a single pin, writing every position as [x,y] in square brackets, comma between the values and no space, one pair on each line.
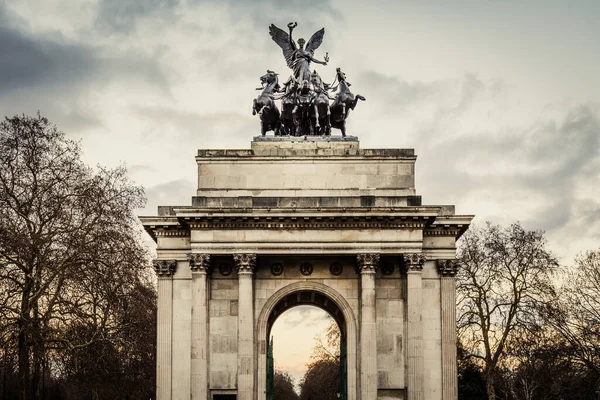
[38,353]
[24,323]
[489,386]
[23,356]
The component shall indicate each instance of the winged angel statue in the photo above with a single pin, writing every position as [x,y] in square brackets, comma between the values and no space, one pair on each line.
[304,96]
[297,57]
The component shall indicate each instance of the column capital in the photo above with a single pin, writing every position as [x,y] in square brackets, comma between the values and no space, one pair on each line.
[245,262]
[165,268]
[414,261]
[367,262]
[448,268]
[199,262]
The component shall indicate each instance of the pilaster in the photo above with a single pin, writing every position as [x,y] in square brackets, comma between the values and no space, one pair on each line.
[367,264]
[246,264]
[164,270]
[200,267]
[447,270]
[413,263]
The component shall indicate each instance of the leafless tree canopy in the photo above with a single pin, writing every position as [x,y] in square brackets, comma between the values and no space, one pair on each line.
[70,251]
[506,276]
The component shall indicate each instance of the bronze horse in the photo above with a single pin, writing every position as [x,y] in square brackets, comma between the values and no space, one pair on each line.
[343,103]
[264,105]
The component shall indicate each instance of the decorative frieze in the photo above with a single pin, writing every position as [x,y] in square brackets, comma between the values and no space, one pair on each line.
[367,262]
[200,262]
[387,269]
[165,268]
[414,261]
[448,267]
[276,269]
[336,269]
[225,269]
[308,222]
[306,269]
[245,262]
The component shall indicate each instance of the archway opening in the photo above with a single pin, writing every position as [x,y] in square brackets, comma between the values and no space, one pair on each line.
[306,336]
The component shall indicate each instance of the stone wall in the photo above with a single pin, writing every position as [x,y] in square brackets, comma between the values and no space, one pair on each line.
[290,201]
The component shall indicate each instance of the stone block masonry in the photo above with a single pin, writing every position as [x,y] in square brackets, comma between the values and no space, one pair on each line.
[318,221]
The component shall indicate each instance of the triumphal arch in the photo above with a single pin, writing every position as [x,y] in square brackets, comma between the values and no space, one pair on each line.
[305,216]
[318,221]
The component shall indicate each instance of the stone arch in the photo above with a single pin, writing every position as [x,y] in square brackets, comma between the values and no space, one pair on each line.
[350,327]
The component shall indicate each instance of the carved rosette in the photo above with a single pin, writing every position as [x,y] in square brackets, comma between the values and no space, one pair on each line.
[245,262]
[367,262]
[414,262]
[165,268]
[200,262]
[448,268]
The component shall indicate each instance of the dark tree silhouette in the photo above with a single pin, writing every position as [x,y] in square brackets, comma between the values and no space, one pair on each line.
[70,251]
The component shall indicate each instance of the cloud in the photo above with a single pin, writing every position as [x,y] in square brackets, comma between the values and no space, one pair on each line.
[121,15]
[31,61]
[171,193]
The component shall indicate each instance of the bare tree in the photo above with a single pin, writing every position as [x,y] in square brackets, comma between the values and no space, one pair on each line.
[283,386]
[67,236]
[575,313]
[322,378]
[505,279]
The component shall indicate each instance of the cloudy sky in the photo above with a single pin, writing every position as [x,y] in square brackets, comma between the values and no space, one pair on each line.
[500,99]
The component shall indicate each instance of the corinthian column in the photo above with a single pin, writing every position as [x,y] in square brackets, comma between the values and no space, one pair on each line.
[164,324]
[367,264]
[448,270]
[415,361]
[245,264]
[200,266]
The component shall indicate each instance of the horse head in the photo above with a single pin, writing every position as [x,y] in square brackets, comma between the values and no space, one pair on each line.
[344,86]
[270,81]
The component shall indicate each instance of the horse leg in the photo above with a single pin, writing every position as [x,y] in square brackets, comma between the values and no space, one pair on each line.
[355,101]
[254,107]
[317,126]
[343,128]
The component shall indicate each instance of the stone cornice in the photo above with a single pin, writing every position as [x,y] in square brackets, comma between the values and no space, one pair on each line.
[307,222]
[413,262]
[448,268]
[424,218]
[165,268]
[245,262]
[199,262]
[367,262]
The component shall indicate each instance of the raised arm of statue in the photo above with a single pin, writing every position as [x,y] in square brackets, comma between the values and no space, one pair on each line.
[291,27]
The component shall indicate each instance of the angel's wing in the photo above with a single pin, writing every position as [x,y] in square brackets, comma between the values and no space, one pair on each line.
[315,41]
[282,38]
